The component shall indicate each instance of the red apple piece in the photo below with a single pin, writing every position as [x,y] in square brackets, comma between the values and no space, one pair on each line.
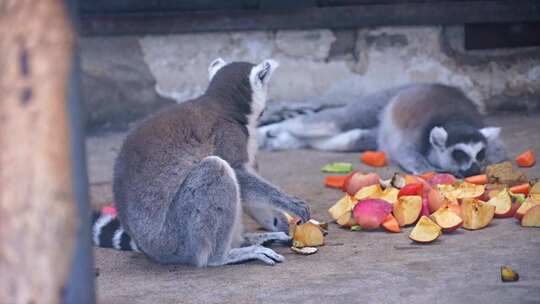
[442,179]
[531,217]
[356,181]
[370,213]
[502,203]
[425,231]
[344,205]
[447,219]
[407,209]
[476,214]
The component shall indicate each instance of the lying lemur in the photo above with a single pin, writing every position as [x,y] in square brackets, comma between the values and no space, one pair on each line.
[422,127]
[184,176]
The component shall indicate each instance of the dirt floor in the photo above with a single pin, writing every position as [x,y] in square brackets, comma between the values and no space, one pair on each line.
[353,267]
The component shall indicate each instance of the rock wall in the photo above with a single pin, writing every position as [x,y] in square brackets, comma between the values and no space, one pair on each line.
[123,74]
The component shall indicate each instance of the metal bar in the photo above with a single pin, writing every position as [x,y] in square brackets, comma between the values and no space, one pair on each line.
[418,13]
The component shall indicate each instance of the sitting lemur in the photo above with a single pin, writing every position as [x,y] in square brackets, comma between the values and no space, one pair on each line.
[421,127]
[184,176]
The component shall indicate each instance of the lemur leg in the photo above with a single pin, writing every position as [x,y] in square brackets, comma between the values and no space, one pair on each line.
[353,140]
[203,223]
[261,238]
[412,161]
[258,194]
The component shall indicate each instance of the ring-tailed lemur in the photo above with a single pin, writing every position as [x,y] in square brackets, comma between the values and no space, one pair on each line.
[183,177]
[422,127]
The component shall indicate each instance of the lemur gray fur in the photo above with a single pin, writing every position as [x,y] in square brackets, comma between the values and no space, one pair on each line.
[183,177]
[421,127]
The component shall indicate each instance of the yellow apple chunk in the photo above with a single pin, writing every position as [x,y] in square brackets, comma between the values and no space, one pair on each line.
[525,206]
[531,217]
[346,220]
[447,219]
[476,214]
[344,205]
[407,209]
[502,203]
[308,235]
[425,231]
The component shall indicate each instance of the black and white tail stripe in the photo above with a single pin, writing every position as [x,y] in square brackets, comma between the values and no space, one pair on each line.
[108,233]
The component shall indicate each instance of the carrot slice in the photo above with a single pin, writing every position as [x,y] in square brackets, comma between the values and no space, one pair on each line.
[523,188]
[335,181]
[477,179]
[526,159]
[374,158]
[390,223]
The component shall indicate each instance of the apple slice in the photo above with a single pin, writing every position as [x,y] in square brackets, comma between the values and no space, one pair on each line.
[390,195]
[447,219]
[476,214]
[356,181]
[425,231]
[390,224]
[407,209]
[442,179]
[456,208]
[502,203]
[370,213]
[368,192]
[534,192]
[531,217]
[344,205]
[435,200]
[346,220]
[411,189]
[525,206]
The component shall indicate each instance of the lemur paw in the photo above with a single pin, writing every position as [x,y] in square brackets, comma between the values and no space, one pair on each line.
[300,208]
[267,255]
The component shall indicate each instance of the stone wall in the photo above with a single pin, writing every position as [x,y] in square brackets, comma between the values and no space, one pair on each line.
[122,75]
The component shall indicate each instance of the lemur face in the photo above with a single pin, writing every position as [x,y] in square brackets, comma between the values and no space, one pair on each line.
[461,158]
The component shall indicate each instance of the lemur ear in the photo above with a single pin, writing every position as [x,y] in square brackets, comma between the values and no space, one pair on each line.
[215,66]
[438,136]
[491,133]
[263,71]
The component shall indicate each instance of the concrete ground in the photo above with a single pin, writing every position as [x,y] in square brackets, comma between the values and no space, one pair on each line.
[353,267]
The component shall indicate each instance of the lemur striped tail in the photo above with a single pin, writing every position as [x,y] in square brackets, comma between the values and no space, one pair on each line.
[107,233]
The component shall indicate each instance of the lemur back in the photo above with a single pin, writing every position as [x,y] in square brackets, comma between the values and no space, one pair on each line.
[183,177]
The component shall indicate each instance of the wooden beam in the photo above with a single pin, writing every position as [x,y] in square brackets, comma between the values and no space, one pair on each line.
[415,13]
[37,209]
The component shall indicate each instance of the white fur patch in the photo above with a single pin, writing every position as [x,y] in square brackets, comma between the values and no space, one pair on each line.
[215,66]
[117,238]
[471,149]
[101,222]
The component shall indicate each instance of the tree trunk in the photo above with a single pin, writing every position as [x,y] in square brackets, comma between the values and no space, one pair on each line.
[37,210]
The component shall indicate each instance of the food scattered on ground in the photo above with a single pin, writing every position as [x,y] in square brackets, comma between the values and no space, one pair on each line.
[481,179]
[447,219]
[503,204]
[304,250]
[370,213]
[476,214]
[531,218]
[526,159]
[408,209]
[425,231]
[391,224]
[338,167]
[356,181]
[508,275]
[504,173]
[521,188]
[306,235]
[334,181]
[374,158]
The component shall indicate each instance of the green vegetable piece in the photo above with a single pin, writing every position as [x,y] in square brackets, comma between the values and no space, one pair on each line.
[337,168]
[356,228]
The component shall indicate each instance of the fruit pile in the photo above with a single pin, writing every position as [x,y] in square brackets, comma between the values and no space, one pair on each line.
[436,202]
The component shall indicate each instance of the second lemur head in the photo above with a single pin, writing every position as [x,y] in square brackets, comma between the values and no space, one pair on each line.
[461,149]
[241,84]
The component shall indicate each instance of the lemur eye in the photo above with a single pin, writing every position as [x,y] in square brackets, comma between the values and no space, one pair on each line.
[460,156]
[481,155]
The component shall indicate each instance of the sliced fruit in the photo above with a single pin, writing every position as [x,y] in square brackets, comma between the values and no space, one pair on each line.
[426,176]
[304,250]
[461,190]
[334,181]
[411,189]
[425,207]
[526,159]
[476,214]
[508,275]
[521,188]
[531,217]
[346,220]
[407,209]
[534,192]
[447,219]
[370,213]
[442,179]
[338,167]
[308,235]
[436,200]
[425,231]
[477,179]
[502,203]
[356,181]
[390,224]
[368,192]
[374,158]
[344,205]
[528,204]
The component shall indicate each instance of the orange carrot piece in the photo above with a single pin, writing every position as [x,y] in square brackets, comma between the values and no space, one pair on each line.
[526,159]
[427,175]
[335,181]
[477,179]
[390,223]
[374,158]
[522,188]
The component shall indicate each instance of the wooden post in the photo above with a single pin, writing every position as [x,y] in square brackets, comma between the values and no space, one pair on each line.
[37,209]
